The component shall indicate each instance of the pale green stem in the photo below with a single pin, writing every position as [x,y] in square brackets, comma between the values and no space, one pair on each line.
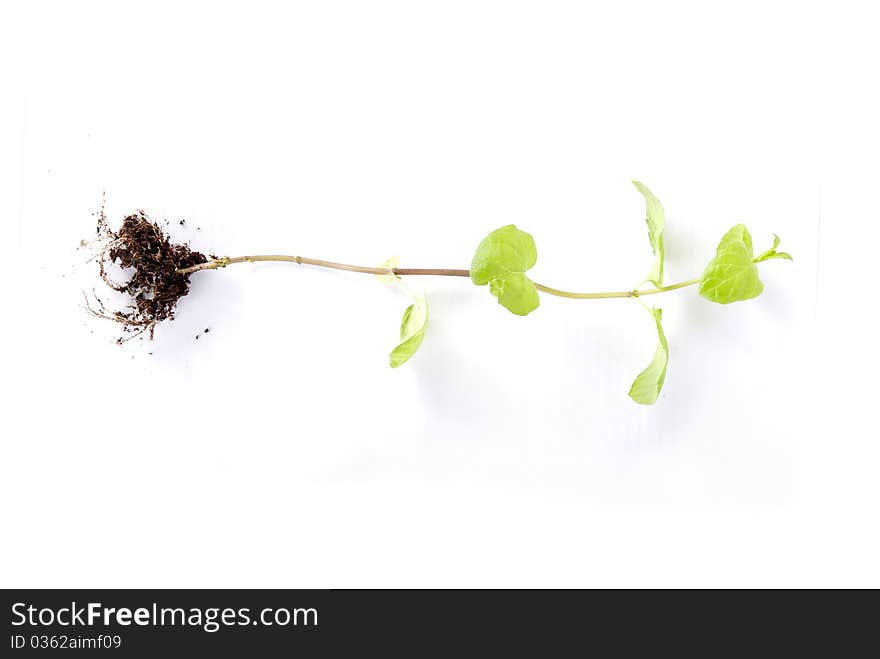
[613,294]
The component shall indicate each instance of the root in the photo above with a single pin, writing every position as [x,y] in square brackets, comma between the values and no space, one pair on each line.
[141,247]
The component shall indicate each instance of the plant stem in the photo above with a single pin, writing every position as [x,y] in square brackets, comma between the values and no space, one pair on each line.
[302,260]
[613,294]
[438,272]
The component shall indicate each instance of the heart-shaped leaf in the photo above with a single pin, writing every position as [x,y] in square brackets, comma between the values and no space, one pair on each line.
[501,260]
[732,275]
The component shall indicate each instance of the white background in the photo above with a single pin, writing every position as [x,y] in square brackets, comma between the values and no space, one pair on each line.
[280,450]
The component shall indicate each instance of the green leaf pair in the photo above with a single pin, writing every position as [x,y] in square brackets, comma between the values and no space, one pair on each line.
[772,253]
[647,386]
[501,260]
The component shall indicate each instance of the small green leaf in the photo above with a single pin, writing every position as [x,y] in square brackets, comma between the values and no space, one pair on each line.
[656,219]
[646,388]
[501,260]
[772,253]
[412,331]
[391,263]
[503,251]
[516,292]
[732,275]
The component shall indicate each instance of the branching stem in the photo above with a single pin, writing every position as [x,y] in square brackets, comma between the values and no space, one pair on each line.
[437,272]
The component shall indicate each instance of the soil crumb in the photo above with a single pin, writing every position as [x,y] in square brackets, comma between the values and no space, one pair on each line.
[141,247]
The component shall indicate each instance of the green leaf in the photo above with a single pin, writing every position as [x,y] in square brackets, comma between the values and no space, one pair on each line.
[656,219]
[501,260]
[516,292]
[412,331]
[503,251]
[772,253]
[391,263]
[646,388]
[732,275]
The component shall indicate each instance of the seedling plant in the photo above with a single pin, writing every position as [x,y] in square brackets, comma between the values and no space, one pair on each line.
[161,270]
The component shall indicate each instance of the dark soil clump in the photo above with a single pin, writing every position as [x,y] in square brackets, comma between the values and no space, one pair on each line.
[142,247]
